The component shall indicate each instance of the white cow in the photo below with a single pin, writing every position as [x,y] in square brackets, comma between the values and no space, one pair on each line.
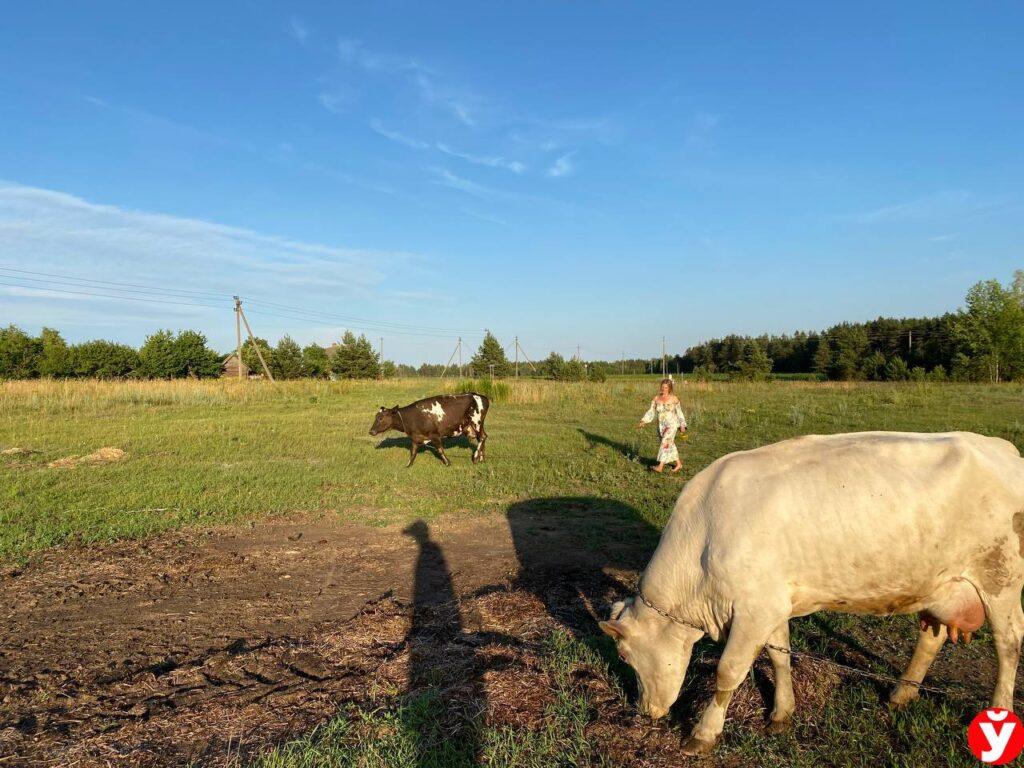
[872,522]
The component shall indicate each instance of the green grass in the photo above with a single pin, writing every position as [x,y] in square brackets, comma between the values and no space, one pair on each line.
[204,453]
[413,732]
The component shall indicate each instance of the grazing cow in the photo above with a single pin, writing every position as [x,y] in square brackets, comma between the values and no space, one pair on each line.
[873,523]
[432,419]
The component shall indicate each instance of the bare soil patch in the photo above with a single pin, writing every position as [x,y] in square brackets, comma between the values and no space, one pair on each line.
[211,647]
[169,649]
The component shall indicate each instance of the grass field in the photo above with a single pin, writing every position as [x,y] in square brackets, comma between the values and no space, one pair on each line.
[207,453]
[201,453]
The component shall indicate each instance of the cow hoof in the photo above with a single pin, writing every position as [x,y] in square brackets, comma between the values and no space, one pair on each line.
[903,697]
[775,727]
[695,746]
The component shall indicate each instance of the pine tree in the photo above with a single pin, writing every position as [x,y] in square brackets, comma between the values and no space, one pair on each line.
[287,359]
[355,358]
[156,356]
[252,360]
[553,367]
[755,364]
[315,362]
[490,353]
[823,357]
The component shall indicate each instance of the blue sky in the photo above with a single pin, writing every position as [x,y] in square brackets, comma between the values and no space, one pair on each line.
[600,174]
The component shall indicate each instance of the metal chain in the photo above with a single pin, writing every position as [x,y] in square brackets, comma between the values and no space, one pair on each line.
[819,659]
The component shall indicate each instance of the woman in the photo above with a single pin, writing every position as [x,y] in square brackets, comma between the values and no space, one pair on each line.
[670,420]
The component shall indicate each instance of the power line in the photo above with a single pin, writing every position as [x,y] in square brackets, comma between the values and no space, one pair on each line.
[110,296]
[151,294]
[72,279]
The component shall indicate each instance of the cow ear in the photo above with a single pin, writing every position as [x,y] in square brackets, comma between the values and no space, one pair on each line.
[614,628]
[381,409]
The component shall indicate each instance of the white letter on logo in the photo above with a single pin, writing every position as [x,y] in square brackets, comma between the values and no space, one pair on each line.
[997,741]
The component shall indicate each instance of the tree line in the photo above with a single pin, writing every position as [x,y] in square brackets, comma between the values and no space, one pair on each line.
[984,341]
[168,355]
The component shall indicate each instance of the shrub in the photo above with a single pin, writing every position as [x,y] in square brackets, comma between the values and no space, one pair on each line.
[104,359]
[896,370]
[19,354]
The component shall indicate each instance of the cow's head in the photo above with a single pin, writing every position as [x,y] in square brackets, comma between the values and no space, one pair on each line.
[657,649]
[384,421]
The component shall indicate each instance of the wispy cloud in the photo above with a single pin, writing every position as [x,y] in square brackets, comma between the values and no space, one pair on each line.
[514,166]
[353,52]
[446,178]
[484,217]
[298,29]
[457,104]
[431,89]
[57,232]
[338,101]
[944,204]
[397,137]
[563,166]
[153,122]
[491,162]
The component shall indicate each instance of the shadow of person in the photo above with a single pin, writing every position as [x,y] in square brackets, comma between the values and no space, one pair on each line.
[630,451]
[445,698]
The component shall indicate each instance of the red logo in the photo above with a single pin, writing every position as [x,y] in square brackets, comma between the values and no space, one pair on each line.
[996,736]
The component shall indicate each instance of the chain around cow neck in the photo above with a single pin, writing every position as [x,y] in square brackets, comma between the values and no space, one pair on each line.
[665,614]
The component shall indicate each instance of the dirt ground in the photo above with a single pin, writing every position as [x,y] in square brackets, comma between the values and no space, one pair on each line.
[209,647]
[194,645]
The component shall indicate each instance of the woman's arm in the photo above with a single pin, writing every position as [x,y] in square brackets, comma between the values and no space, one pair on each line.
[680,415]
[649,416]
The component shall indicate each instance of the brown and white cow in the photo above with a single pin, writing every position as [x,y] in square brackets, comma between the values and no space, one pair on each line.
[432,419]
[872,523]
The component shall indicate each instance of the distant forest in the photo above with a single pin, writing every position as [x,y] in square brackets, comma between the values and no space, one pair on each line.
[984,341]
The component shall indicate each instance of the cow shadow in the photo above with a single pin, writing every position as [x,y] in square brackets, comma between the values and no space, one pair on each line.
[404,443]
[577,555]
[631,452]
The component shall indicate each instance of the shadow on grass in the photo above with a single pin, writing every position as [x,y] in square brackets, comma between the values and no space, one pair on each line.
[578,554]
[404,443]
[630,451]
[447,702]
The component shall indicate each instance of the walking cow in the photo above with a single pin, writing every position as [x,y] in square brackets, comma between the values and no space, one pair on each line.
[432,419]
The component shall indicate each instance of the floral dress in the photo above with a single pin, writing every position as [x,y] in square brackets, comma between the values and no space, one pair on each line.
[670,420]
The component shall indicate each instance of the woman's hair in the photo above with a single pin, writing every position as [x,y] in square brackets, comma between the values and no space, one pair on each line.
[671,385]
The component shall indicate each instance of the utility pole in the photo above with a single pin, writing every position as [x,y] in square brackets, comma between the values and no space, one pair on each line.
[380,357]
[460,356]
[663,370]
[238,335]
[491,366]
[259,354]
[910,342]
[578,353]
[519,348]
[622,362]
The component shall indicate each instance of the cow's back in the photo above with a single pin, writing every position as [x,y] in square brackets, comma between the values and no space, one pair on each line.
[883,511]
